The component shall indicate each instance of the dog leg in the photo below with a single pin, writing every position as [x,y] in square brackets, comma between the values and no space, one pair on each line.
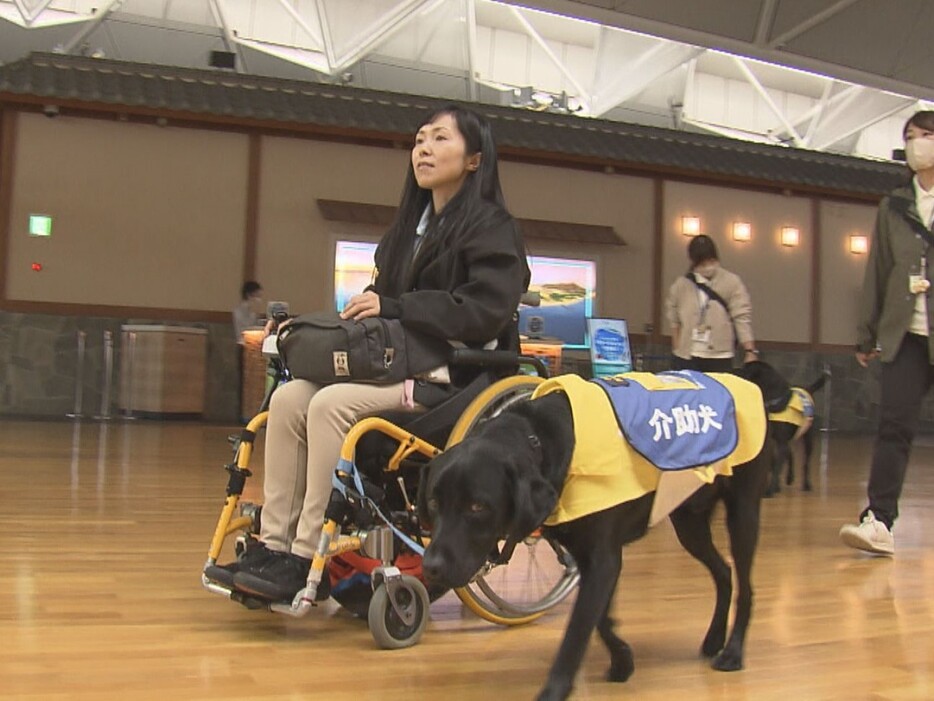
[782,456]
[742,519]
[598,581]
[693,530]
[790,475]
[808,443]
[621,663]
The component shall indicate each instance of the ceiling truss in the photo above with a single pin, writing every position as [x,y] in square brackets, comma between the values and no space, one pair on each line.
[595,70]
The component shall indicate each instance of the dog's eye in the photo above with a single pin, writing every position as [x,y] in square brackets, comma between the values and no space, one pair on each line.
[477,507]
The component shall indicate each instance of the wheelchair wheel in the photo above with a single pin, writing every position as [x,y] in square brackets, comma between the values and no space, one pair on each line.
[540,573]
[387,626]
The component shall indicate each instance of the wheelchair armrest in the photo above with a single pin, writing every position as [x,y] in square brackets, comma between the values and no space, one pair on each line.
[484,358]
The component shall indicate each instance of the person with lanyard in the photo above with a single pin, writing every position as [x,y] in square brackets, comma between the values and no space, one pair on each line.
[709,312]
[452,267]
[894,326]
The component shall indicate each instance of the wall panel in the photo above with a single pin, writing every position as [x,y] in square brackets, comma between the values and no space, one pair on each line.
[142,215]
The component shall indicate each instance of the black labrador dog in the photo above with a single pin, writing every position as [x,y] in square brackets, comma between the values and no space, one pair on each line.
[777,392]
[503,481]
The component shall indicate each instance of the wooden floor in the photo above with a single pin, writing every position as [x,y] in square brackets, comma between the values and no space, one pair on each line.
[105,530]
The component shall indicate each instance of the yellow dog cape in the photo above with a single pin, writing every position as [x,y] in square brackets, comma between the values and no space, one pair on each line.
[605,471]
[799,411]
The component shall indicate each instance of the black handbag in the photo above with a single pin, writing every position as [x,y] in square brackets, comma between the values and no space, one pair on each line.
[325,349]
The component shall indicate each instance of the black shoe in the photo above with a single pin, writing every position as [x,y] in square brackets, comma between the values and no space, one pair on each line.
[256,554]
[279,578]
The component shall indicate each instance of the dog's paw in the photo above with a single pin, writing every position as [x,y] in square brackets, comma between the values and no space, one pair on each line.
[621,665]
[727,661]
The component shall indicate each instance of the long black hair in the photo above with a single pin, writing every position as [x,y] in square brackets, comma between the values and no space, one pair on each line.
[478,203]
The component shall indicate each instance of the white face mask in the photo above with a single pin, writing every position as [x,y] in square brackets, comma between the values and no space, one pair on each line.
[920,154]
[707,269]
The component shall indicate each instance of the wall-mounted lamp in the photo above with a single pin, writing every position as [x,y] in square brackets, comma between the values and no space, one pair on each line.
[791,236]
[859,243]
[742,231]
[690,226]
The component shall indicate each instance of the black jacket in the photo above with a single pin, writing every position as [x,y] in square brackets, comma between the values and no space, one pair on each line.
[467,292]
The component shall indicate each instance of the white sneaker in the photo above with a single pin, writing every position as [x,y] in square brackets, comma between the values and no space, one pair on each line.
[870,535]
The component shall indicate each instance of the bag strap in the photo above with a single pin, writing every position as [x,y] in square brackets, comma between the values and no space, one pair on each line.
[710,293]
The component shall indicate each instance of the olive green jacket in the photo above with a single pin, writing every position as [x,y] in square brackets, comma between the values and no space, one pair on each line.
[887,305]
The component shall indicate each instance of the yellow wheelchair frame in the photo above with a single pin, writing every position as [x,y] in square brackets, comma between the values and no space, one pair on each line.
[398,611]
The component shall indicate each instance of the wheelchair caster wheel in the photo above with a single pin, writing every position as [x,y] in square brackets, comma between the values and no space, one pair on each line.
[398,613]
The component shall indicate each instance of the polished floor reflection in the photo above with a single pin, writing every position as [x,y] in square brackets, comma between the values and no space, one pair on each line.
[105,529]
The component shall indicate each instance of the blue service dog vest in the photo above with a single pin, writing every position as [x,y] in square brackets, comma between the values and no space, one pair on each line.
[685,419]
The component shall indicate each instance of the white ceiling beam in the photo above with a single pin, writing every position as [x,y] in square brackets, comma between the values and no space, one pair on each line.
[687,97]
[766,19]
[36,11]
[23,11]
[471,12]
[630,22]
[763,93]
[441,18]
[88,28]
[821,106]
[637,75]
[582,94]
[383,29]
[300,21]
[230,37]
[810,23]
[877,107]
[326,37]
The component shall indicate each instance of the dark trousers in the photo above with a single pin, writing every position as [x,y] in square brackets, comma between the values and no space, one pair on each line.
[905,381]
[702,364]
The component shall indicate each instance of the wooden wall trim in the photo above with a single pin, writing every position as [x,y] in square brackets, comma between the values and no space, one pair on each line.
[816,293]
[658,246]
[251,223]
[532,229]
[8,122]
[113,311]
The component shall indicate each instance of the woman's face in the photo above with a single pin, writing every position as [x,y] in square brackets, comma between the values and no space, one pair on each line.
[440,159]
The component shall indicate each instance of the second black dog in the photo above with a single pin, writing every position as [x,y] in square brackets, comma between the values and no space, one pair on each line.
[791,418]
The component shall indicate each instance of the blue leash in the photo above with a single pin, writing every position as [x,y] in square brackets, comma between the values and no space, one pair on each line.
[350,468]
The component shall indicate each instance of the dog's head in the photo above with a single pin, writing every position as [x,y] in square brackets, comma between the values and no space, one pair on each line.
[776,391]
[484,489]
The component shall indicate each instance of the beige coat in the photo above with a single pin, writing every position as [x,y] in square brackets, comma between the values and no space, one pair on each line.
[683,310]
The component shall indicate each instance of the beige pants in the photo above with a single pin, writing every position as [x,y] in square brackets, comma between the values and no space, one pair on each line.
[304,434]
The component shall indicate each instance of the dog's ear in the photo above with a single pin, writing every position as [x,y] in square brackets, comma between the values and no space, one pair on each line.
[535,499]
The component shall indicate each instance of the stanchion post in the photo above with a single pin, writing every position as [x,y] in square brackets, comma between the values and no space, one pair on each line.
[79,378]
[128,370]
[104,414]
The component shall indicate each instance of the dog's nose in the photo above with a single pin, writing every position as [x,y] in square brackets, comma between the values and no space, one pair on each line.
[432,566]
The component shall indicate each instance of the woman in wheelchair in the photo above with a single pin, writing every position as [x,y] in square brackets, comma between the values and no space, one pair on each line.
[452,267]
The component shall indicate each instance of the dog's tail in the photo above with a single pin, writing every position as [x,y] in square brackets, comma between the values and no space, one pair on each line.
[818,383]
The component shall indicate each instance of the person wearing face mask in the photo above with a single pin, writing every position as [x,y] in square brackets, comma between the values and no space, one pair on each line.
[894,326]
[709,312]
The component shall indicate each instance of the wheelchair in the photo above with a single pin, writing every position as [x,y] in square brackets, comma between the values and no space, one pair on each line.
[372,512]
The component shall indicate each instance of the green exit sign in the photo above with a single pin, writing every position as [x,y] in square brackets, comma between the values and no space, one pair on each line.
[40,225]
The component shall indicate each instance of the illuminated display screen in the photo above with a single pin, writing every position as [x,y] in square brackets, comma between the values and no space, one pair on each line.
[566,288]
